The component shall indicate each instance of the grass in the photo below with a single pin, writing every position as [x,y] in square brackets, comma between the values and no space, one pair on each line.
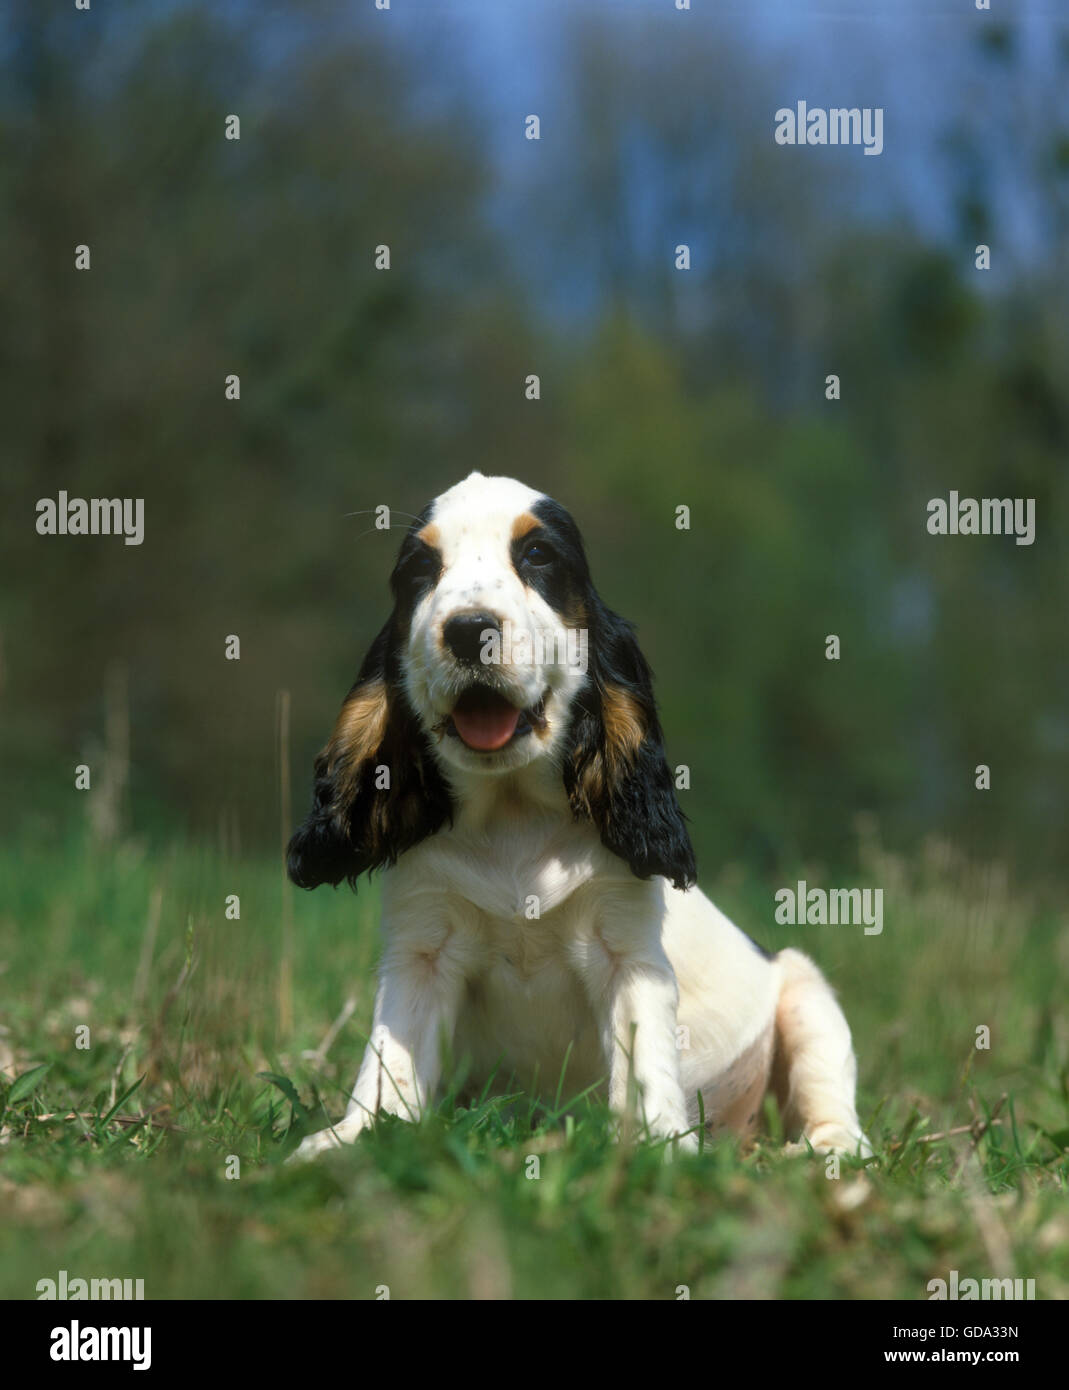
[150,1145]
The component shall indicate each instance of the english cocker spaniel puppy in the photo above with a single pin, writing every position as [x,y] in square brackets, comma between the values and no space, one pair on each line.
[500,759]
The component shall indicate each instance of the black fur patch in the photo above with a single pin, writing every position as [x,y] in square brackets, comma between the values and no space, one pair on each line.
[625,788]
[354,826]
[564,580]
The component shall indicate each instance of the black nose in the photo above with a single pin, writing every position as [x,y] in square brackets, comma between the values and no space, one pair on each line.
[464,634]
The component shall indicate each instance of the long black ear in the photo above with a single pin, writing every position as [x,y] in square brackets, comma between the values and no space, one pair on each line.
[616,774]
[378,790]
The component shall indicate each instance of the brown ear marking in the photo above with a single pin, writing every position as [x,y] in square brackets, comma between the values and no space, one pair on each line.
[430,535]
[625,726]
[523,524]
[624,723]
[358,732]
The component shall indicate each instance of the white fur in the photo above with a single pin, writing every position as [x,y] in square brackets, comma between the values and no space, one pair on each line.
[628,982]
[474,521]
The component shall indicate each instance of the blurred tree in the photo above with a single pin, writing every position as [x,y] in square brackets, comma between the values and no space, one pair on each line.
[660,387]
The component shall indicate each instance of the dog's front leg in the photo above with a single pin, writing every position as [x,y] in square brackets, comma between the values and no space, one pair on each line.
[635,996]
[420,986]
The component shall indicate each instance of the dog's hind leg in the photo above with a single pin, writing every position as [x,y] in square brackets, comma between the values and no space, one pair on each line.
[814,1074]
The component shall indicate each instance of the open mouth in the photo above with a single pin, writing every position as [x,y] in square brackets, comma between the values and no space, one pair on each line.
[486,722]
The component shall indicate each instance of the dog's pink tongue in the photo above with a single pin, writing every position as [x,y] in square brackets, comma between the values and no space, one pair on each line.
[485,721]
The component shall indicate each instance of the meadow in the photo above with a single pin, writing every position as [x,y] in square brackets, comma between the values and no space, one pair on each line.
[752,372]
[158,1061]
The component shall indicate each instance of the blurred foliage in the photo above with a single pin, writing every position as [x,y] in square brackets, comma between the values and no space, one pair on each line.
[360,387]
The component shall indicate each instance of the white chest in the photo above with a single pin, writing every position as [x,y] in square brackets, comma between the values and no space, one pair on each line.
[513,895]
[512,871]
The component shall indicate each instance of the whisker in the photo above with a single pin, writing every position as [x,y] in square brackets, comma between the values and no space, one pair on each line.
[380,529]
[366,511]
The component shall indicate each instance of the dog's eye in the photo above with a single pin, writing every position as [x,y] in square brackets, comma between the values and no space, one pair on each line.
[421,564]
[538,553]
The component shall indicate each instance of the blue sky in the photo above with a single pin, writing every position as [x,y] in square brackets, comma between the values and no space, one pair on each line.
[918,59]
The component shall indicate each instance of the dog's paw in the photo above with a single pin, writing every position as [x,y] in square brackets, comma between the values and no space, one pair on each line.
[832,1138]
[681,1143]
[679,1138]
[312,1146]
[344,1132]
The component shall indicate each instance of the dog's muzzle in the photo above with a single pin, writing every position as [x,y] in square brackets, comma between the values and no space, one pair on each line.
[486,722]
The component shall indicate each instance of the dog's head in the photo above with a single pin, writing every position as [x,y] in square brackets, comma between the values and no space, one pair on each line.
[499,660]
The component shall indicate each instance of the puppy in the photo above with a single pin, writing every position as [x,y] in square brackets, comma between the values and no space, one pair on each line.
[500,759]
